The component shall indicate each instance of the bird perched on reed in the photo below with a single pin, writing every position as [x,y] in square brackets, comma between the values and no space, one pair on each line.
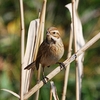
[50,51]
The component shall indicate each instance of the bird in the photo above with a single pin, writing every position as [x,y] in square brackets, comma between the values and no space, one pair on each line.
[50,51]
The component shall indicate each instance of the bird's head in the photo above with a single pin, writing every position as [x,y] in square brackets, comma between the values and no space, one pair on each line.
[52,35]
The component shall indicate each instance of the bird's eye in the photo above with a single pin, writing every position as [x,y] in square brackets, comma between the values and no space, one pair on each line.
[54,32]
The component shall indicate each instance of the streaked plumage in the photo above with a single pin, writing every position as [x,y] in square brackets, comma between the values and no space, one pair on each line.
[50,51]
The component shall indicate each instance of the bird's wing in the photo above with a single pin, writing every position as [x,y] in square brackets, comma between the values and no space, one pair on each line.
[41,52]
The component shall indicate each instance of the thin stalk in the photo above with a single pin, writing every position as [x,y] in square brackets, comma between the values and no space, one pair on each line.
[22,30]
[75,50]
[41,34]
[68,67]
[50,92]
[22,49]
[35,55]
[66,62]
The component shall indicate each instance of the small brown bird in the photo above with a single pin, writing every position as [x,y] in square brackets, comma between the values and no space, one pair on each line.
[50,51]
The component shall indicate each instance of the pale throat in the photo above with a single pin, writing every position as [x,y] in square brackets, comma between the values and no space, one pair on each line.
[50,40]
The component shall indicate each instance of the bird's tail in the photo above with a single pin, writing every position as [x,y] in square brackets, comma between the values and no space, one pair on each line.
[30,66]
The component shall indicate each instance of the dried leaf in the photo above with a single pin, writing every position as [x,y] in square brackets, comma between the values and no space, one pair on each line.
[29,53]
[54,91]
[13,93]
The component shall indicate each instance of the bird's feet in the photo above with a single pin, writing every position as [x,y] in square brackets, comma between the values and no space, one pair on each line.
[62,65]
[45,79]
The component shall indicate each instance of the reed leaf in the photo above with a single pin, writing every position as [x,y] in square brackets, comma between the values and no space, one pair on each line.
[11,92]
[30,52]
[53,91]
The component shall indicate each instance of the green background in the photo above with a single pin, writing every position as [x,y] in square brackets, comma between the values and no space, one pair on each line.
[56,15]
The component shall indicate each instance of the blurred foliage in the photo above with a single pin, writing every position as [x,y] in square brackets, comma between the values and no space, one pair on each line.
[56,15]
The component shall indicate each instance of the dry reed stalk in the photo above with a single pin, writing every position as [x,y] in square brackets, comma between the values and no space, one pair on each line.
[78,43]
[50,94]
[69,55]
[66,62]
[75,50]
[41,34]
[22,29]
[22,49]
[76,3]
[68,68]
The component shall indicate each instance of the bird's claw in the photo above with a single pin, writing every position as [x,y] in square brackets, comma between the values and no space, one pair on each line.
[62,65]
[45,79]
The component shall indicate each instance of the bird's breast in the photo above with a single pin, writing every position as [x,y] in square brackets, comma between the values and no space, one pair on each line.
[52,54]
[57,50]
